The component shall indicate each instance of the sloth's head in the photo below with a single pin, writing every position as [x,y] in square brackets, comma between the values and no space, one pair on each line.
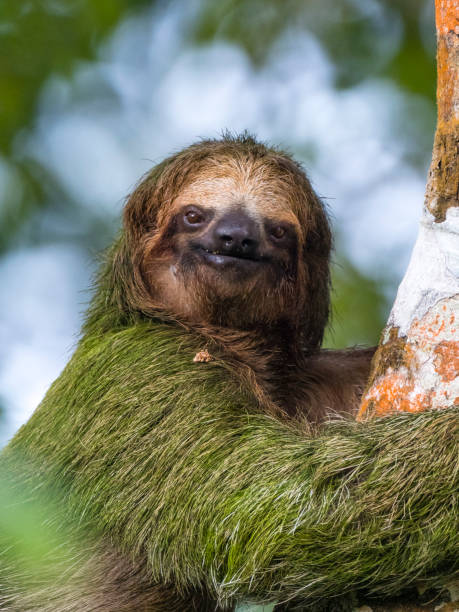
[229,232]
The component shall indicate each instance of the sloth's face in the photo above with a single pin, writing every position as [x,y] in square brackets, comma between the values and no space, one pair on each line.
[235,231]
[231,253]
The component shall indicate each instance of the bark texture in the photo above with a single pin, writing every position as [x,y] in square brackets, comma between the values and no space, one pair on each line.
[417,363]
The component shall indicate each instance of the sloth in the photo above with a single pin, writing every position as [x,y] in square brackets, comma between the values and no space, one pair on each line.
[226,243]
[229,237]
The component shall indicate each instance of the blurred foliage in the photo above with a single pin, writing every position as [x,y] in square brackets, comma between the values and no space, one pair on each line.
[363,38]
[359,308]
[42,198]
[39,545]
[43,38]
[40,38]
[24,531]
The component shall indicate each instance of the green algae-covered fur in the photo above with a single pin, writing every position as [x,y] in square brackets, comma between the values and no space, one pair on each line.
[177,463]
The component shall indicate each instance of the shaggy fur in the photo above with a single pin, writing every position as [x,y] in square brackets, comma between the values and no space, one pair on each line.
[265,178]
[232,500]
[190,486]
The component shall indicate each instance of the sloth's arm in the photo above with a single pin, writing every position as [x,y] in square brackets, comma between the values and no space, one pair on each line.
[170,458]
[331,383]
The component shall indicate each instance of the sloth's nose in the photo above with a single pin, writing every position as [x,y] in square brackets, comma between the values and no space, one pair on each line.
[236,234]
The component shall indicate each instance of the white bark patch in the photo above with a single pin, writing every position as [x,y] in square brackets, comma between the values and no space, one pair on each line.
[434,340]
[433,271]
[426,317]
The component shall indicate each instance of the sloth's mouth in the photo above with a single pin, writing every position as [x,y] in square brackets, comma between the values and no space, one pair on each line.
[220,258]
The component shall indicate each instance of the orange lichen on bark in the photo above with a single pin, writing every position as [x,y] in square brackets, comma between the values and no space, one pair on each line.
[436,324]
[394,392]
[447,18]
[419,371]
[447,360]
[443,185]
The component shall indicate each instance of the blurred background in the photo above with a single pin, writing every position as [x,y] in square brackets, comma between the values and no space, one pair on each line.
[94,92]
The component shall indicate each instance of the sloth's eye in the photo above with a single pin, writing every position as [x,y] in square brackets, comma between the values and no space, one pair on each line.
[278,232]
[194,216]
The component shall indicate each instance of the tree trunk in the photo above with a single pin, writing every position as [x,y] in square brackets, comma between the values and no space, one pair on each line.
[417,363]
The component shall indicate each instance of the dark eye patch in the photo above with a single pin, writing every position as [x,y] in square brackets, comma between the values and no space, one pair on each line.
[192,218]
[281,234]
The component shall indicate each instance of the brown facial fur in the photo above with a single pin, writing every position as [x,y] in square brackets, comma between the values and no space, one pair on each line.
[221,175]
[243,293]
